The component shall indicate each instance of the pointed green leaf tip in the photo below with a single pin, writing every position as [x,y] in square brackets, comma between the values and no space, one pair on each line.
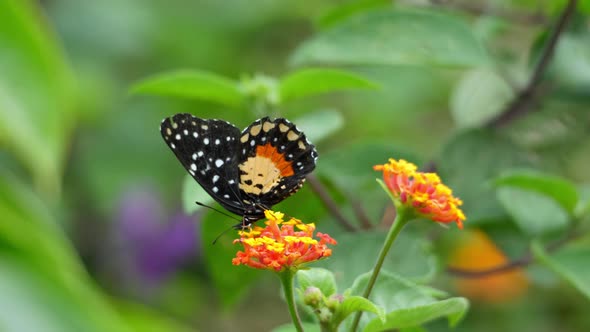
[196,84]
[313,81]
[356,303]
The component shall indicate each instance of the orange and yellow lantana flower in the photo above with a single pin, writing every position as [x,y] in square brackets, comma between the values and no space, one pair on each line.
[424,192]
[281,244]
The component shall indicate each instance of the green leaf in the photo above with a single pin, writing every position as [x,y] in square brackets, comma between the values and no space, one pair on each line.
[569,262]
[193,192]
[583,208]
[321,124]
[469,161]
[454,309]
[59,299]
[231,282]
[570,68]
[319,278]
[28,228]
[413,329]
[37,95]
[313,81]
[410,256]
[480,96]
[561,190]
[353,304]
[346,10]
[534,213]
[197,84]
[406,304]
[49,306]
[395,37]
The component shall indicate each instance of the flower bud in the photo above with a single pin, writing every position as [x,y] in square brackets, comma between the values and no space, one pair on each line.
[312,296]
[325,315]
[334,301]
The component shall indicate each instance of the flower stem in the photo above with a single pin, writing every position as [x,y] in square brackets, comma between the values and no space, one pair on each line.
[401,219]
[287,278]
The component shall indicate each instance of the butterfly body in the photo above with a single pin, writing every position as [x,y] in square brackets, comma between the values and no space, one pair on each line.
[246,171]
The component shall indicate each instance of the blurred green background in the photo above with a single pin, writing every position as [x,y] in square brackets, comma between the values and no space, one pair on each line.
[94,235]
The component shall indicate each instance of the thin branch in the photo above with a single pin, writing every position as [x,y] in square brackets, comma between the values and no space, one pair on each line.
[523,261]
[359,211]
[318,187]
[522,103]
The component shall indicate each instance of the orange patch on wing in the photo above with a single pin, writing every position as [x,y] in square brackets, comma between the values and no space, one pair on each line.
[277,158]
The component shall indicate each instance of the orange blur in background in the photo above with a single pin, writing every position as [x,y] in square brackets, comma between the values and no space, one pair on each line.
[477,252]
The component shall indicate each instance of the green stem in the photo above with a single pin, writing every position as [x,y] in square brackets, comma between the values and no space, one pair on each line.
[401,219]
[287,278]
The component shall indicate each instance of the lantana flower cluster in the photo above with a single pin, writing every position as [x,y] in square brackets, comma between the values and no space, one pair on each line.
[424,192]
[281,244]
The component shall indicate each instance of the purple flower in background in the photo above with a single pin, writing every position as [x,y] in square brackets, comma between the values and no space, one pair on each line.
[157,245]
[169,248]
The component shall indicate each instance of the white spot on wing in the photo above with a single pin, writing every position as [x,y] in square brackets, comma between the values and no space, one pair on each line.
[215,189]
[215,178]
[218,162]
[200,153]
[172,146]
[217,141]
[177,137]
[206,141]
[194,156]
[194,167]
[195,134]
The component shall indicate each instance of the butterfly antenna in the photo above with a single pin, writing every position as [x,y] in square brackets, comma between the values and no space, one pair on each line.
[218,211]
[221,234]
[223,213]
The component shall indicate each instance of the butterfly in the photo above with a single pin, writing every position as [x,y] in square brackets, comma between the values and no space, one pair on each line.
[246,172]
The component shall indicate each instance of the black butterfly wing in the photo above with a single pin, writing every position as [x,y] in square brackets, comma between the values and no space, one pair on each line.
[275,157]
[208,150]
